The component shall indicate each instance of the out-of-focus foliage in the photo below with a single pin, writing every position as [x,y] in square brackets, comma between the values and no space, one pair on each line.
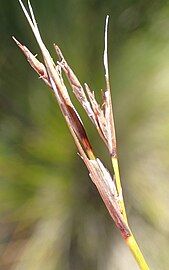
[51,216]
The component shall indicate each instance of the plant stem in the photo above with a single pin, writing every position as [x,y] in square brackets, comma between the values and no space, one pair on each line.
[130,241]
[132,244]
[119,187]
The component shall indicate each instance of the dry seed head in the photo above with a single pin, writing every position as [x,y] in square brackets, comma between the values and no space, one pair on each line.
[98,173]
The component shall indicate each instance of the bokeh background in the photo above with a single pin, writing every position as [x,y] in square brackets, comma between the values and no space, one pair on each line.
[51,217]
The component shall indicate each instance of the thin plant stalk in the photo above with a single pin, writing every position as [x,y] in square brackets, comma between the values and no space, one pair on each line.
[110,121]
[110,189]
[132,244]
[130,241]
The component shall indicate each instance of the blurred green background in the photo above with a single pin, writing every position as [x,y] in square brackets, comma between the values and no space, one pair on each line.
[51,217]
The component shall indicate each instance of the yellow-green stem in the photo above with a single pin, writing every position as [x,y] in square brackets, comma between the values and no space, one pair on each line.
[119,187]
[132,244]
[130,241]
